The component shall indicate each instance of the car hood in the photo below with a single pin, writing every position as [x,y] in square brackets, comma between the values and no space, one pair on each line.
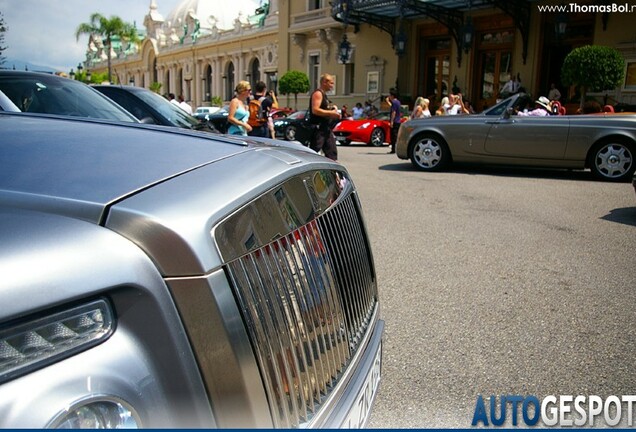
[80,167]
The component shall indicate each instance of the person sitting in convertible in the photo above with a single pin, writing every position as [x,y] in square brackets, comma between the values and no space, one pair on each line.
[543,108]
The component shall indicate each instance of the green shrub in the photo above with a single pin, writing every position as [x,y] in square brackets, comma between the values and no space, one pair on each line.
[594,68]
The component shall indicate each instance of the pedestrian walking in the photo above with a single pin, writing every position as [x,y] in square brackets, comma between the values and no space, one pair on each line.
[184,105]
[322,114]
[396,117]
[420,108]
[238,112]
[258,108]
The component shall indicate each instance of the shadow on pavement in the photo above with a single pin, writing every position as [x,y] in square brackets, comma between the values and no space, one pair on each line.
[626,216]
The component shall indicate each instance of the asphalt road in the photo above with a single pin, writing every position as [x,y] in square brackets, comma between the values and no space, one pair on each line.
[496,281]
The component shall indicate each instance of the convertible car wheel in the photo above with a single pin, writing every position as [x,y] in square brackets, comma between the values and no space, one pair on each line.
[613,160]
[377,137]
[290,133]
[430,153]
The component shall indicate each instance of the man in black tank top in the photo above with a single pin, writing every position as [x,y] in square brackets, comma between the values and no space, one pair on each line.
[322,114]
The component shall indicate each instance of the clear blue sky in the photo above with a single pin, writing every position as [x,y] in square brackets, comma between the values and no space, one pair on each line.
[42,32]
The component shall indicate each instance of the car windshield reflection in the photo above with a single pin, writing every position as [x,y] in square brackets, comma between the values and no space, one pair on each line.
[169,110]
[51,94]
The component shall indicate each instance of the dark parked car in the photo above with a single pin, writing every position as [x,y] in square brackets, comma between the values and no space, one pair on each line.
[42,93]
[217,119]
[155,277]
[149,107]
[294,127]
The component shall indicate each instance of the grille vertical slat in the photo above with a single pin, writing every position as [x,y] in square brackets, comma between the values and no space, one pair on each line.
[307,298]
[304,350]
[329,225]
[258,322]
[277,296]
[352,262]
[324,302]
[315,334]
[335,314]
[362,255]
[338,237]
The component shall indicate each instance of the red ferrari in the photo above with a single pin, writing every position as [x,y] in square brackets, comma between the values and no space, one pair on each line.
[374,131]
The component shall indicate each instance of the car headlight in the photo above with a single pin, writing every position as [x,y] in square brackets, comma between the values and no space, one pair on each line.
[364,125]
[34,343]
[103,414]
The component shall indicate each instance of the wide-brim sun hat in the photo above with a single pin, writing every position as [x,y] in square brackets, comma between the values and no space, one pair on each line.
[544,102]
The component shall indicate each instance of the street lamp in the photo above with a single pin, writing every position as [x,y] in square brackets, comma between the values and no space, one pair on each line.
[560,24]
[400,43]
[79,71]
[89,76]
[274,79]
[71,74]
[468,32]
[344,49]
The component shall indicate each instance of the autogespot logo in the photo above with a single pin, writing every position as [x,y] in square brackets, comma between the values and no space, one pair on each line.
[563,410]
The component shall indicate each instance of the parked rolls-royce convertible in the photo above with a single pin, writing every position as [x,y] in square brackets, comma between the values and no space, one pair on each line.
[604,143]
[172,279]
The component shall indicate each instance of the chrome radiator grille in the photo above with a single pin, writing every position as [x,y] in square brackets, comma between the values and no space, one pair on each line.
[307,299]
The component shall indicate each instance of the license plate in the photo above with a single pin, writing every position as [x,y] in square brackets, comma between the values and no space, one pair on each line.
[340,138]
[359,413]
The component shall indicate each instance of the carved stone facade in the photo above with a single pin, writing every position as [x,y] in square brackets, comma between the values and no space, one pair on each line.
[202,50]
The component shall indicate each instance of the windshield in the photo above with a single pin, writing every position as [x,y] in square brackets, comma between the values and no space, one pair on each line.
[518,102]
[297,115]
[176,115]
[36,93]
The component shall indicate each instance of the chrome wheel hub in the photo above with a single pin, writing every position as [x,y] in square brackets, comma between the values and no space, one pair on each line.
[614,160]
[428,153]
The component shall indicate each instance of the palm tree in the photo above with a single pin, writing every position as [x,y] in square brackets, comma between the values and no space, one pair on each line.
[107,28]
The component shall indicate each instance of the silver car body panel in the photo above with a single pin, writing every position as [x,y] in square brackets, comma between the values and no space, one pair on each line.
[148,231]
[49,262]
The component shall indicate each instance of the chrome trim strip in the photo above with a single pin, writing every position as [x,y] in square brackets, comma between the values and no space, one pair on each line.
[280,211]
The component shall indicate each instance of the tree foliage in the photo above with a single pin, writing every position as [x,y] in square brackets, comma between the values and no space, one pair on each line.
[294,82]
[3,29]
[107,28]
[594,68]
[156,87]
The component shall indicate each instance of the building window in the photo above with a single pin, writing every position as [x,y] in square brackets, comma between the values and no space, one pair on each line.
[229,82]
[314,70]
[255,71]
[314,4]
[436,69]
[630,76]
[349,79]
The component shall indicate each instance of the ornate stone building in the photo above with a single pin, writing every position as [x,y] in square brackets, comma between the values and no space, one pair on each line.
[202,48]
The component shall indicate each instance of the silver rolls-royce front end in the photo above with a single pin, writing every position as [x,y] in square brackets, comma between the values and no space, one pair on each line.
[155,278]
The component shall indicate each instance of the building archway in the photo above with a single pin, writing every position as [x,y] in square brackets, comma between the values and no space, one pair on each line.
[230,80]
[255,71]
[207,84]
[179,88]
